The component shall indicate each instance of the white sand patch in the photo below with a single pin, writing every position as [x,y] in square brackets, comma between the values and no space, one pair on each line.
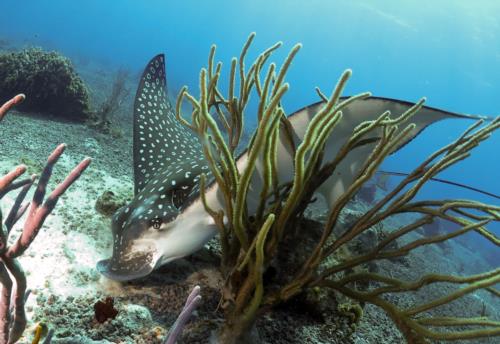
[61,260]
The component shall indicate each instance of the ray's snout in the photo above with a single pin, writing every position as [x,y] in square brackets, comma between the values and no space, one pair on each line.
[132,257]
[121,273]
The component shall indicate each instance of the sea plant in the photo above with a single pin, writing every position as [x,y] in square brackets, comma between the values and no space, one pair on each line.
[251,243]
[101,118]
[12,277]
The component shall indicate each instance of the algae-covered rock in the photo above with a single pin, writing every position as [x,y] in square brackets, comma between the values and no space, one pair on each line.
[49,81]
[109,202]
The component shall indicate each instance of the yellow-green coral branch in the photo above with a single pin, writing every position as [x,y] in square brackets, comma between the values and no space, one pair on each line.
[269,117]
[452,321]
[259,268]
[480,284]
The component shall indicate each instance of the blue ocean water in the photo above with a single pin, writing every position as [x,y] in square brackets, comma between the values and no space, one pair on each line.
[447,50]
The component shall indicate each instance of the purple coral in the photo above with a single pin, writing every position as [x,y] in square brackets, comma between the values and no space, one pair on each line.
[12,314]
[192,303]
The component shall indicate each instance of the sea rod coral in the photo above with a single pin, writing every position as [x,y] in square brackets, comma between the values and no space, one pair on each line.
[12,276]
[252,241]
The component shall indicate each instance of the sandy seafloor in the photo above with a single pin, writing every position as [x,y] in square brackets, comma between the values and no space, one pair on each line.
[60,263]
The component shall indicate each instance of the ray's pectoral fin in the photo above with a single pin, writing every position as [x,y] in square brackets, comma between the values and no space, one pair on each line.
[369,109]
[150,123]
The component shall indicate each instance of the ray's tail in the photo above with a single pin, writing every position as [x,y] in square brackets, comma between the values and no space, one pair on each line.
[444,181]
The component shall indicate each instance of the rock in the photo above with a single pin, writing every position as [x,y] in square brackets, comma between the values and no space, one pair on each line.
[79,340]
[108,203]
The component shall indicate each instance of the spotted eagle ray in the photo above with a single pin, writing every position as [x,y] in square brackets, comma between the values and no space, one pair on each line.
[166,219]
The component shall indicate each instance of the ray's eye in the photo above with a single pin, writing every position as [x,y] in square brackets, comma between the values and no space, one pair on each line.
[156,223]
